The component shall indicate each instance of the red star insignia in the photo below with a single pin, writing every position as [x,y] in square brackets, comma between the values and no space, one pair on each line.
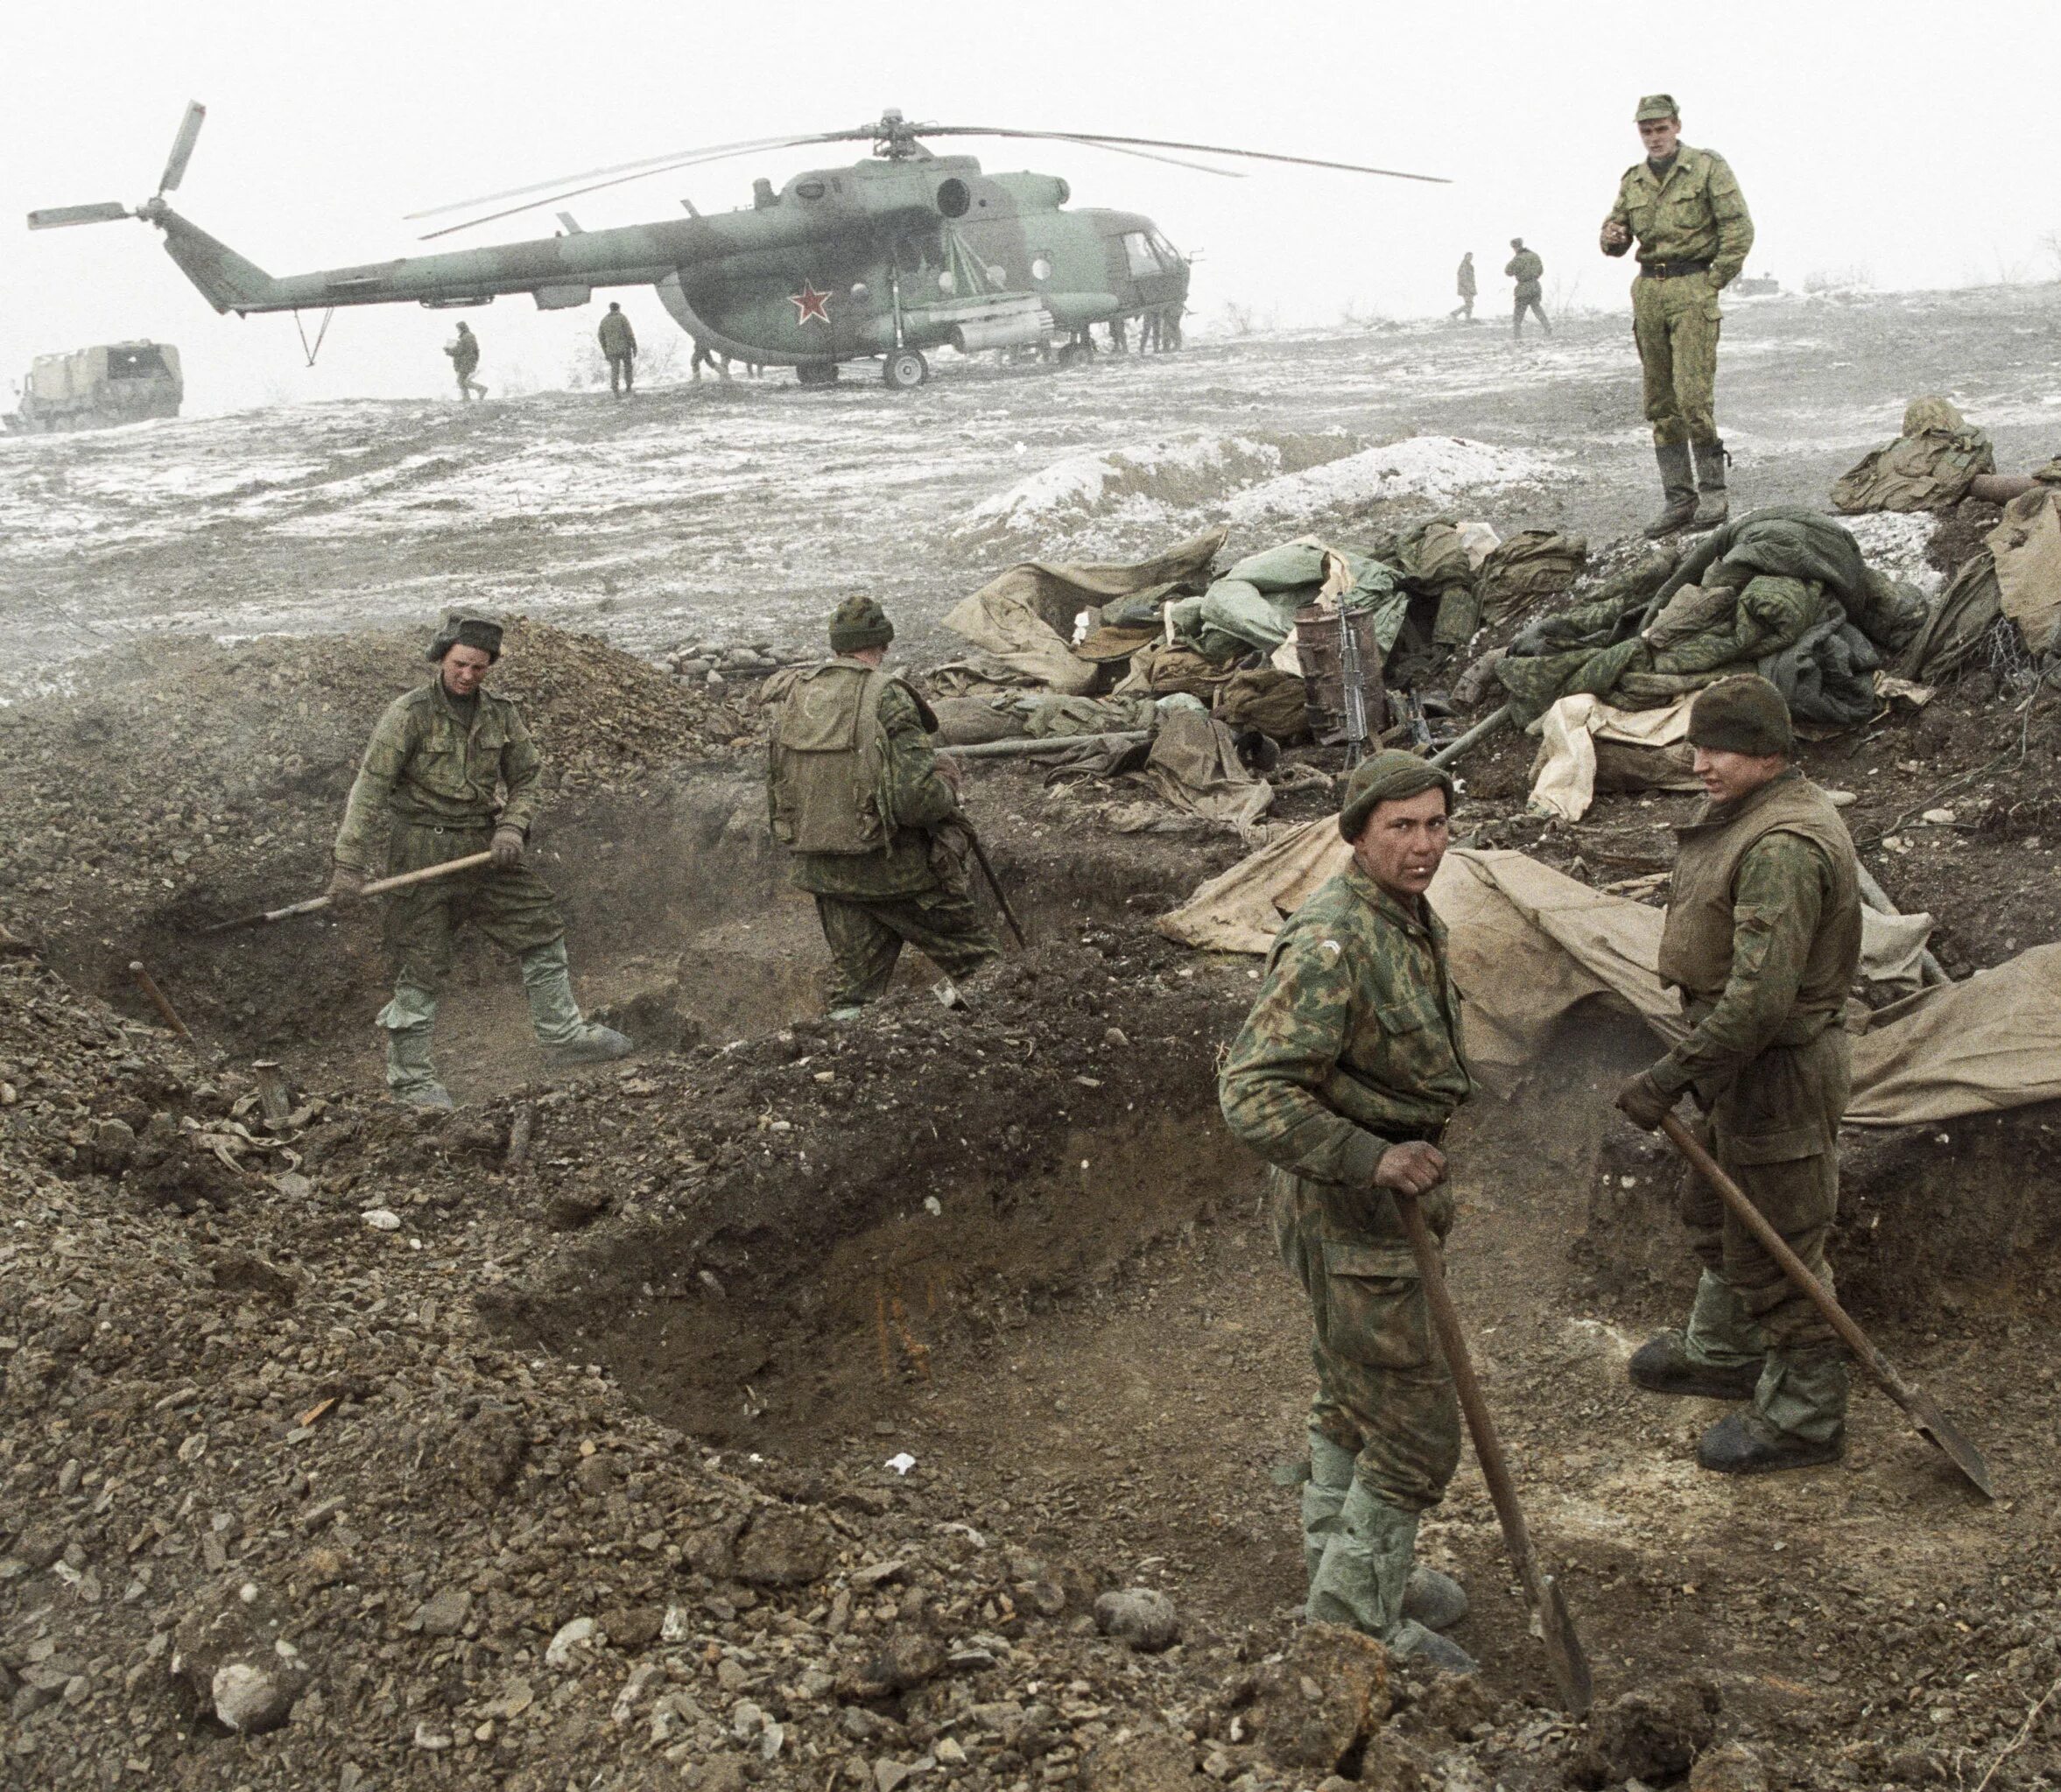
[808,303]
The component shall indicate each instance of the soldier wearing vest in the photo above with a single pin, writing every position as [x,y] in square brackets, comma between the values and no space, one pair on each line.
[1763,940]
[452,771]
[865,806]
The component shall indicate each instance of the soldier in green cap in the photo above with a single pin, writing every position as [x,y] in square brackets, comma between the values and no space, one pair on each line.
[866,807]
[1685,207]
[425,794]
[1527,268]
[1343,1079]
[1763,938]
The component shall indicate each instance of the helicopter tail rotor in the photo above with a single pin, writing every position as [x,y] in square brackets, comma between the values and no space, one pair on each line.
[60,217]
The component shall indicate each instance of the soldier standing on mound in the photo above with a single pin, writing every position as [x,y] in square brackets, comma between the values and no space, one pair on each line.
[426,794]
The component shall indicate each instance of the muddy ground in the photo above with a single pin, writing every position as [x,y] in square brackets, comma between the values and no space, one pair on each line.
[545,1444]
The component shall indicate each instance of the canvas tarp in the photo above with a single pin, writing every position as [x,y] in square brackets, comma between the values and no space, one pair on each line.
[1927,467]
[2027,548]
[1565,784]
[1024,618]
[1529,944]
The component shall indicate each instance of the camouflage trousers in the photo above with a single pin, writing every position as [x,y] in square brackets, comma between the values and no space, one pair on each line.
[1675,323]
[1746,1309]
[1383,1391]
[866,936]
[515,909]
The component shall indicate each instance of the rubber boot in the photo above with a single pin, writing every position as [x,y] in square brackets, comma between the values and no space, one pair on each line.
[409,1019]
[1435,1600]
[1797,1418]
[1362,1576]
[1678,485]
[1713,506]
[1718,1357]
[565,1034]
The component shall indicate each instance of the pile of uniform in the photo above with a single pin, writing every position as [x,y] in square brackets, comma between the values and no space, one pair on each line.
[1782,591]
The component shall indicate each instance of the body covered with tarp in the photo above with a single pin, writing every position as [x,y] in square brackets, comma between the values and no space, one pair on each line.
[1783,591]
[1927,467]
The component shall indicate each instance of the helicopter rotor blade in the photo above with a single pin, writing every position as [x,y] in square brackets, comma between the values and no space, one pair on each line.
[182,148]
[1102,141]
[1150,156]
[633,171]
[57,217]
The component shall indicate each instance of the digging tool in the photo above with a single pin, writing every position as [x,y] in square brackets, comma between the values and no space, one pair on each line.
[1932,1423]
[979,852]
[149,986]
[379,886]
[1563,1652]
[1493,723]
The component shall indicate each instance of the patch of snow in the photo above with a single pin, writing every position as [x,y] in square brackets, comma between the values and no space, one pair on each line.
[1895,542]
[1163,470]
[1435,469]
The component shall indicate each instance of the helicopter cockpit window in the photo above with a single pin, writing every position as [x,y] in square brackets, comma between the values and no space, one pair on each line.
[134,364]
[1138,252]
[1169,255]
[809,189]
[1041,268]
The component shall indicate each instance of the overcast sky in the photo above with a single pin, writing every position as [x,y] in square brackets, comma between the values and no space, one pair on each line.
[1910,144]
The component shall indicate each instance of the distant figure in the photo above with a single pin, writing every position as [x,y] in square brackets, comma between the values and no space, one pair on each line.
[1149,328]
[1170,325]
[1525,268]
[1464,284]
[464,351]
[619,343]
[1118,343]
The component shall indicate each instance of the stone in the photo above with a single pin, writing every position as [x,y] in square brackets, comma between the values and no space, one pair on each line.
[1652,1733]
[782,1548]
[1732,1769]
[633,1628]
[444,1613]
[40,1545]
[1139,1616]
[251,1699]
[1155,1761]
[568,1637]
[905,1659]
[890,1775]
[1315,1707]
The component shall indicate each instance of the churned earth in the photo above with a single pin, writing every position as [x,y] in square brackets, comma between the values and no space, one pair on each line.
[549,1444]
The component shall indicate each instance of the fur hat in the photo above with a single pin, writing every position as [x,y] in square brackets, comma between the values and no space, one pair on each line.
[1745,714]
[858,623]
[465,629]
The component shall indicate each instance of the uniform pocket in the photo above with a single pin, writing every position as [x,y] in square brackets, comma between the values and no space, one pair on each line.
[1373,1315]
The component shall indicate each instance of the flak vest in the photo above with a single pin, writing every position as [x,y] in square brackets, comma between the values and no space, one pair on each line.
[1696,943]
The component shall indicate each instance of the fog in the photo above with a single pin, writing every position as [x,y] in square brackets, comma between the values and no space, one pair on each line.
[1874,144]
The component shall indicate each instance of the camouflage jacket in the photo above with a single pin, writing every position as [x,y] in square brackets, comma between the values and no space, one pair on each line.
[1353,1044]
[1527,268]
[429,766]
[915,800]
[1784,891]
[1696,214]
[616,336]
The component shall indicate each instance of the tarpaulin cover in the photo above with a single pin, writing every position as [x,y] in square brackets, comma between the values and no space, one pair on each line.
[1529,944]
[1025,617]
[1927,467]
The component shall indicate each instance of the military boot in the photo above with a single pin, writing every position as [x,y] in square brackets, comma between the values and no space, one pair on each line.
[1435,1600]
[1677,484]
[1797,1418]
[1713,507]
[565,1034]
[409,1021]
[1718,1357]
[1362,1577]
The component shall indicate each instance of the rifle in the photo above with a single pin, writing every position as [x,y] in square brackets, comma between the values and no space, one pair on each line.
[379,886]
[1353,693]
[979,852]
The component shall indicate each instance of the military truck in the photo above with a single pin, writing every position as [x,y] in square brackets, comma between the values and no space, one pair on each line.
[92,388]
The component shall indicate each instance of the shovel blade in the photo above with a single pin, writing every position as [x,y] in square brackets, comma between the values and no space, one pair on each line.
[1942,1431]
[1563,1652]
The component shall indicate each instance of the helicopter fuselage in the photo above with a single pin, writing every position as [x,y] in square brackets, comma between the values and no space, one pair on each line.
[914,252]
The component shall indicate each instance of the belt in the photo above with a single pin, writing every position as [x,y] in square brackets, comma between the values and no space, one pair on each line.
[1671,270]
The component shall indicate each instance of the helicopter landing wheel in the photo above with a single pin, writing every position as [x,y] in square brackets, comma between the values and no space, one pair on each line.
[816,373]
[904,370]
[1075,354]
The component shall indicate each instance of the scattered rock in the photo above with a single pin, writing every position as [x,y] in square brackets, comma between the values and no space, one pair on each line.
[1733,1767]
[1315,1707]
[1154,1761]
[782,1548]
[1649,1733]
[252,1699]
[444,1613]
[908,1658]
[1144,1619]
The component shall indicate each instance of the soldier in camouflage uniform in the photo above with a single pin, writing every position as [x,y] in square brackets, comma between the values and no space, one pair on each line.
[464,351]
[1763,938]
[1527,268]
[866,808]
[425,794]
[1685,209]
[1343,1079]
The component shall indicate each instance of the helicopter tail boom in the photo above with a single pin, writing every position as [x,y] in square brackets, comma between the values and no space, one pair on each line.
[226,280]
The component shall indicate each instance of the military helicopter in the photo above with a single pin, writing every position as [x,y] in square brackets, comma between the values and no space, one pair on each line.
[903,252]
